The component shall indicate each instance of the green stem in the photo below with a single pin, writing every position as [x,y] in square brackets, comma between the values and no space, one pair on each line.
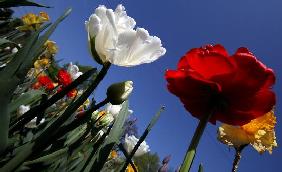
[4,124]
[190,154]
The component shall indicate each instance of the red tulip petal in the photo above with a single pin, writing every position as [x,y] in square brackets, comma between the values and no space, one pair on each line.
[194,92]
[251,75]
[244,110]
[207,61]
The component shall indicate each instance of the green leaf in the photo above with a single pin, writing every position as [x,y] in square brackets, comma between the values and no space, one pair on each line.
[4,41]
[29,97]
[142,138]
[201,168]
[16,3]
[100,157]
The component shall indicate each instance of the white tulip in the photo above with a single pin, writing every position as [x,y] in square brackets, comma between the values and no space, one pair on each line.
[73,70]
[32,124]
[131,141]
[113,38]
[115,109]
[23,109]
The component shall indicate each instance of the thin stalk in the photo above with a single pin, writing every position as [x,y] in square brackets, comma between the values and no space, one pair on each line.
[142,138]
[191,152]
[237,158]
[127,157]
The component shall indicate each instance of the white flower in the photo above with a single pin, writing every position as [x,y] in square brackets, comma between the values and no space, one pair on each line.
[114,109]
[32,123]
[112,36]
[23,109]
[14,50]
[73,70]
[131,141]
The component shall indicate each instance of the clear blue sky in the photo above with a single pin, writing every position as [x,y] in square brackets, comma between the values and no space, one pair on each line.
[181,25]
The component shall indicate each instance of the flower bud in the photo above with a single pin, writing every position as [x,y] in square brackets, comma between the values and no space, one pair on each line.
[117,93]
[104,119]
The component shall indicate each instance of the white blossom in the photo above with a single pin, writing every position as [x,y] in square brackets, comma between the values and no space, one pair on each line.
[32,124]
[23,109]
[115,109]
[73,70]
[117,41]
[131,141]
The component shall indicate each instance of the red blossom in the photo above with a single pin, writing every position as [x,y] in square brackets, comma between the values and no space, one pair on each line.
[44,81]
[236,89]
[64,77]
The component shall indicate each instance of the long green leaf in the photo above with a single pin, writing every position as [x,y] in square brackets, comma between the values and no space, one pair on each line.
[142,138]
[16,3]
[29,97]
[99,159]
[201,168]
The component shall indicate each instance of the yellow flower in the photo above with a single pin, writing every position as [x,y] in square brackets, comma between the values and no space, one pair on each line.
[102,118]
[84,105]
[113,154]
[40,65]
[33,22]
[51,47]
[259,133]
[130,168]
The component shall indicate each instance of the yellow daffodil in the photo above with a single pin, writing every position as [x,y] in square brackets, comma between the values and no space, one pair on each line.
[113,154]
[33,22]
[104,118]
[259,133]
[40,65]
[51,47]
[84,105]
[130,168]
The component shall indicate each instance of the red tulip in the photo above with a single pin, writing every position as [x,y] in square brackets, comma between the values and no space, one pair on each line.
[235,89]
[64,77]
[44,81]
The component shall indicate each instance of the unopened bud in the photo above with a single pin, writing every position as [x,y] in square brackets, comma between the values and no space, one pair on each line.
[119,92]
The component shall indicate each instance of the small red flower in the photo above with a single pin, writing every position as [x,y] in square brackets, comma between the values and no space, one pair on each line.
[44,81]
[72,93]
[64,77]
[236,89]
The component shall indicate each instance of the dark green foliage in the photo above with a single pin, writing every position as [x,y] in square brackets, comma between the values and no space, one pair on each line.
[148,162]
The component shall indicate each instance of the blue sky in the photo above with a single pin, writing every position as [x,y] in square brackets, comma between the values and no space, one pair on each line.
[181,25]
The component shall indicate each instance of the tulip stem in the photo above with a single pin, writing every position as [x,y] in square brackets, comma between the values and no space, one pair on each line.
[237,158]
[191,152]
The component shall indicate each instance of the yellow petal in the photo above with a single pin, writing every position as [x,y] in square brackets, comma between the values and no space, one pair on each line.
[232,135]
[265,122]
[44,16]
[265,143]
